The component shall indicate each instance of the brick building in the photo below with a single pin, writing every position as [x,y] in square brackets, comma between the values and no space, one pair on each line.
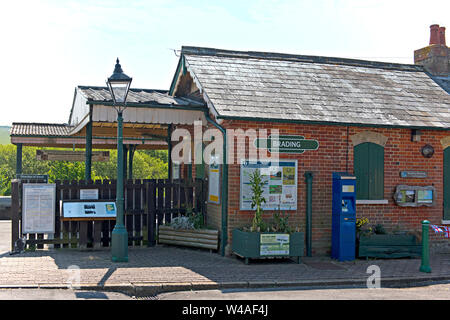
[386,123]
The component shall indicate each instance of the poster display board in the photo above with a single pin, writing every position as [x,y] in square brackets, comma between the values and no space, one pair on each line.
[280,184]
[38,208]
[214,183]
[88,210]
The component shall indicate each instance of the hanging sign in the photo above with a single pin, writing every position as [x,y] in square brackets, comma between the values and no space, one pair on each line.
[286,144]
[66,155]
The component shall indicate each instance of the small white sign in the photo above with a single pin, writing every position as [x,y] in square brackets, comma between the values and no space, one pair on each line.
[89,194]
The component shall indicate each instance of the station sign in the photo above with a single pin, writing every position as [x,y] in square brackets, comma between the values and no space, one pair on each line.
[286,144]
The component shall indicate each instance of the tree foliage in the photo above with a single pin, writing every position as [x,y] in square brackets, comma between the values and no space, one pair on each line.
[146,165]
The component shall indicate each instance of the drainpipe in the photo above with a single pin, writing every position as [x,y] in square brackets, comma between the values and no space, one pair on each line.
[224,185]
[308,180]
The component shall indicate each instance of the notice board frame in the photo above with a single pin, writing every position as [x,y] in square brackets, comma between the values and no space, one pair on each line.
[25,213]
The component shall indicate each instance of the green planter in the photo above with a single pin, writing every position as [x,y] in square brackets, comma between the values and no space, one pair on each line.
[259,245]
[388,246]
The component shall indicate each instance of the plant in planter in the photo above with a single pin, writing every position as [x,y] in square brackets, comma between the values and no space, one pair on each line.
[189,230]
[380,244]
[266,240]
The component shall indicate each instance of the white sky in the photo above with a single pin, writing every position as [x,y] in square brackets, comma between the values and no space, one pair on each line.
[51,46]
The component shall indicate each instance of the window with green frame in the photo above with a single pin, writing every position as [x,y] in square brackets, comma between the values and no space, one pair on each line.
[368,166]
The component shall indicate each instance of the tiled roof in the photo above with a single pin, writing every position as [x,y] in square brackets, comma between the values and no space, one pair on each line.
[140,96]
[40,129]
[444,82]
[318,89]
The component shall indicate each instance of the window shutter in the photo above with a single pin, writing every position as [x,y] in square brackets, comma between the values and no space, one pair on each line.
[361,170]
[368,166]
[376,171]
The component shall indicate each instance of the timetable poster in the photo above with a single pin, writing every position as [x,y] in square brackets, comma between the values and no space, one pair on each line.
[280,184]
[38,209]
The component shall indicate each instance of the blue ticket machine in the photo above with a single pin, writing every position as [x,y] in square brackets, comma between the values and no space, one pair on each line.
[343,229]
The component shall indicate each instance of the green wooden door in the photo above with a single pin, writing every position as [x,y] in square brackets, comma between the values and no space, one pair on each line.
[446,184]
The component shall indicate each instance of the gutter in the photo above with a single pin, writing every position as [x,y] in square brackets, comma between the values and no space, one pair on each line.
[224,238]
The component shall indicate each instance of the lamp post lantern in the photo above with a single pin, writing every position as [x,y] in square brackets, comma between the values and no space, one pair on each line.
[119,84]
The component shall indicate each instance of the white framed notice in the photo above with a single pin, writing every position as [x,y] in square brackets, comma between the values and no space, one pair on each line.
[38,208]
[280,184]
[88,194]
[214,183]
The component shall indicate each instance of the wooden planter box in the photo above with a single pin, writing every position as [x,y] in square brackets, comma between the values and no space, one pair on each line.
[389,246]
[256,245]
[201,238]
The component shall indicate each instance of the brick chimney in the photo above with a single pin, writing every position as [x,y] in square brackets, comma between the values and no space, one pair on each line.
[436,56]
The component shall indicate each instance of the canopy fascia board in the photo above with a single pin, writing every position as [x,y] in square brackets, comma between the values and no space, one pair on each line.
[43,140]
[151,114]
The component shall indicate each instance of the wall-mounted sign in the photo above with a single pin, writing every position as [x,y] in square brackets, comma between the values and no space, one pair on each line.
[413,174]
[287,144]
[43,177]
[88,194]
[87,210]
[38,208]
[280,184]
[67,155]
[214,183]
[414,196]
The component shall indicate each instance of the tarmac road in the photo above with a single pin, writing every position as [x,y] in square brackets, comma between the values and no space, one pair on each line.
[429,292]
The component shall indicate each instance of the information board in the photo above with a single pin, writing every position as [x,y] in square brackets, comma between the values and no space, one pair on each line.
[214,183]
[274,244]
[38,208]
[88,210]
[280,184]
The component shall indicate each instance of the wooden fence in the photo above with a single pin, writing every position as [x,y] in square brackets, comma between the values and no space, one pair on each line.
[148,203]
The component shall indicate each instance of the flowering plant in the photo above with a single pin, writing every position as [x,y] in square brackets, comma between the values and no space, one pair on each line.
[360,227]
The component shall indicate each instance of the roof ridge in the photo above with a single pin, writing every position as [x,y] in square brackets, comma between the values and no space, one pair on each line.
[41,123]
[131,89]
[189,50]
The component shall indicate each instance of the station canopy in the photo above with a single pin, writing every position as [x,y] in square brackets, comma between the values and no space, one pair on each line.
[145,120]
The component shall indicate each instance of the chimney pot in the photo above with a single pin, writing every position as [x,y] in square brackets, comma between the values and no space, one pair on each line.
[434,34]
[442,36]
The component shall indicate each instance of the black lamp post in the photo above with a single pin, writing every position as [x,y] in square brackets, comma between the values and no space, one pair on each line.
[119,85]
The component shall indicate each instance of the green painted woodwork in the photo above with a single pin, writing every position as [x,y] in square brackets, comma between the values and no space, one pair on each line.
[368,165]
[247,245]
[88,150]
[388,246]
[447,184]
[119,235]
[425,258]
[18,159]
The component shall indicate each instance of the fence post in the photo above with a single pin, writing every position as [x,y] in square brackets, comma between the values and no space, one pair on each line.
[425,265]
[15,208]
[151,208]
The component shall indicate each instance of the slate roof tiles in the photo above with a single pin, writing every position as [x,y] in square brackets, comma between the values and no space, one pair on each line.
[288,87]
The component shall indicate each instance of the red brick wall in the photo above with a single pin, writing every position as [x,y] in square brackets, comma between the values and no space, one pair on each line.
[335,153]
